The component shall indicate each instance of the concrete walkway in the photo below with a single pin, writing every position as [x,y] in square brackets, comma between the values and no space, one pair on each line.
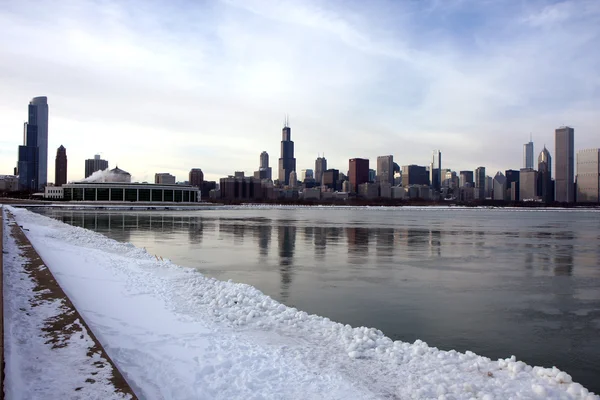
[57,330]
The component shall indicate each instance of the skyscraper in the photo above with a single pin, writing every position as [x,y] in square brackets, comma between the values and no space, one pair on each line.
[385,169]
[414,175]
[33,154]
[264,160]
[499,187]
[480,182]
[264,171]
[320,168]
[466,178]
[331,178]
[512,184]
[372,175]
[196,177]
[28,159]
[588,176]
[359,173]
[528,155]
[38,116]
[287,162]
[60,166]
[95,164]
[564,138]
[435,168]
[545,186]
[528,179]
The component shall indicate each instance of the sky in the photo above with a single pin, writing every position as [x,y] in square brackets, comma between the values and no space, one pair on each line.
[166,86]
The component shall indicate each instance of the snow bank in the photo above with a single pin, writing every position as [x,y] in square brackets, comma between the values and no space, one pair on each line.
[178,334]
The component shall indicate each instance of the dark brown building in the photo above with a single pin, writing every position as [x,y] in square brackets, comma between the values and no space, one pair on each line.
[196,177]
[60,167]
[233,188]
[416,175]
[359,173]
[331,178]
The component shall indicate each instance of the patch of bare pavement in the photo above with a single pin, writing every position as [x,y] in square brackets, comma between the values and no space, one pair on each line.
[56,325]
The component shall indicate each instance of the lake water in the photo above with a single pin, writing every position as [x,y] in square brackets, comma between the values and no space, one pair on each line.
[498,282]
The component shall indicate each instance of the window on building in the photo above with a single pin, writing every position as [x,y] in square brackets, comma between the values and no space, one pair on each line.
[156,195]
[116,194]
[103,194]
[144,195]
[77,194]
[90,194]
[130,194]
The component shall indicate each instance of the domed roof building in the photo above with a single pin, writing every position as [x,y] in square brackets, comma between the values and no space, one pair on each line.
[118,175]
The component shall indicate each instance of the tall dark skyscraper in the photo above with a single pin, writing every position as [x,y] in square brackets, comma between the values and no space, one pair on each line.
[545,185]
[320,168]
[95,164]
[359,173]
[60,166]
[38,116]
[28,159]
[33,155]
[287,162]
[435,171]
[564,173]
[480,182]
[512,184]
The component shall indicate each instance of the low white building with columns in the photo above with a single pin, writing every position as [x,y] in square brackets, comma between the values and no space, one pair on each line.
[130,192]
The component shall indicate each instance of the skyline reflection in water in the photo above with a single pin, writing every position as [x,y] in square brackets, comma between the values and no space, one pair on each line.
[496,282]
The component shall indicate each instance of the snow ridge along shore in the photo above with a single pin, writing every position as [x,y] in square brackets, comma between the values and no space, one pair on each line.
[175,333]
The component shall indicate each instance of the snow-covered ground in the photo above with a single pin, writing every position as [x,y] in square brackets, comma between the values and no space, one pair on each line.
[43,362]
[175,333]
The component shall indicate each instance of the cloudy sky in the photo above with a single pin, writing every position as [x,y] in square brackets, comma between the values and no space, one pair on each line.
[165,86]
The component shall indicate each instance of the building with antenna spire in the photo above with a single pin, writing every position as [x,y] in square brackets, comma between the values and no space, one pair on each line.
[320,168]
[287,162]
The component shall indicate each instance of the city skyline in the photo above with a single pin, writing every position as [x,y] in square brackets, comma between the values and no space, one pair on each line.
[463,77]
